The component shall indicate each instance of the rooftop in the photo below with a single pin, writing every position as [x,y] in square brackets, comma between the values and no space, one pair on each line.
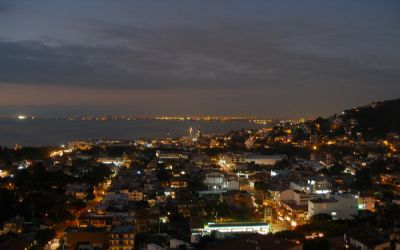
[322,200]
[123,229]
[238,224]
[253,241]
[85,229]
[368,236]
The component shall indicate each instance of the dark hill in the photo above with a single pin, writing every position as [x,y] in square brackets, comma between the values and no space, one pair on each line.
[376,119]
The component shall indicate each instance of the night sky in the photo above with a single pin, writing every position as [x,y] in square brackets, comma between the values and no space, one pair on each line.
[267,58]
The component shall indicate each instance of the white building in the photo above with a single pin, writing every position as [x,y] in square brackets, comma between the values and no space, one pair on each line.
[171,155]
[298,197]
[214,180]
[217,181]
[231,184]
[240,227]
[236,159]
[337,206]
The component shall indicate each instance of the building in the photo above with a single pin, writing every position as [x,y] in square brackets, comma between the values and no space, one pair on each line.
[366,203]
[232,159]
[88,238]
[338,206]
[171,155]
[88,220]
[153,246]
[78,190]
[256,242]
[238,198]
[134,195]
[367,239]
[177,244]
[116,161]
[264,159]
[218,181]
[81,145]
[214,180]
[239,227]
[312,186]
[122,238]
[231,184]
[297,197]
[14,226]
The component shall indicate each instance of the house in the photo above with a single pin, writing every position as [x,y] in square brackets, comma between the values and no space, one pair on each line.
[85,238]
[14,226]
[122,238]
[298,197]
[338,206]
[153,246]
[214,180]
[367,239]
[176,244]
[134,195]
[256,242]
[95,220]
[238,198]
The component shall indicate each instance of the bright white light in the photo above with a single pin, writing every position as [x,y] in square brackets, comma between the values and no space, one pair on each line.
[21,117]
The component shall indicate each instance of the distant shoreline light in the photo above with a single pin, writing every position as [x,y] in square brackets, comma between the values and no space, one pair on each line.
[21,117]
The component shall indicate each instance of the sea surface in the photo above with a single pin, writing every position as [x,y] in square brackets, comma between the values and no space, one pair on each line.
[42,132]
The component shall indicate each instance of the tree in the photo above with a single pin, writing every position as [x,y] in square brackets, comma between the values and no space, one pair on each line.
[90,194]
[363,180]
[8,207]
[319,243]
[283,164]
[321,218]
[336,169]
[260,186]
[162,174]
[300,135]
[78,204]
[44,236]
[97,174]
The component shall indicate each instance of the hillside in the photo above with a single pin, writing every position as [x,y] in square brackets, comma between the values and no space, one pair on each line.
[375,120]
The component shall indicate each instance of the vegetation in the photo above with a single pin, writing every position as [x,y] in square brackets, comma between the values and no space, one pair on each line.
[39,195]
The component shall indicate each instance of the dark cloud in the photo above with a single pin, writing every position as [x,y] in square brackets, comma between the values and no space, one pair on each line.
[288,52]
[3,7]
[223,55]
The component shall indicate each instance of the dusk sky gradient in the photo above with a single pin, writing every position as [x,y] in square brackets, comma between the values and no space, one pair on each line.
[267,58]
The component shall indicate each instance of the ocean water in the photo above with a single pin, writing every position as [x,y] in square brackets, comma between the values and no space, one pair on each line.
[41,132]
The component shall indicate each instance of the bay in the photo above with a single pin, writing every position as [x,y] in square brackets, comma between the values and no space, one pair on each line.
[43,132]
